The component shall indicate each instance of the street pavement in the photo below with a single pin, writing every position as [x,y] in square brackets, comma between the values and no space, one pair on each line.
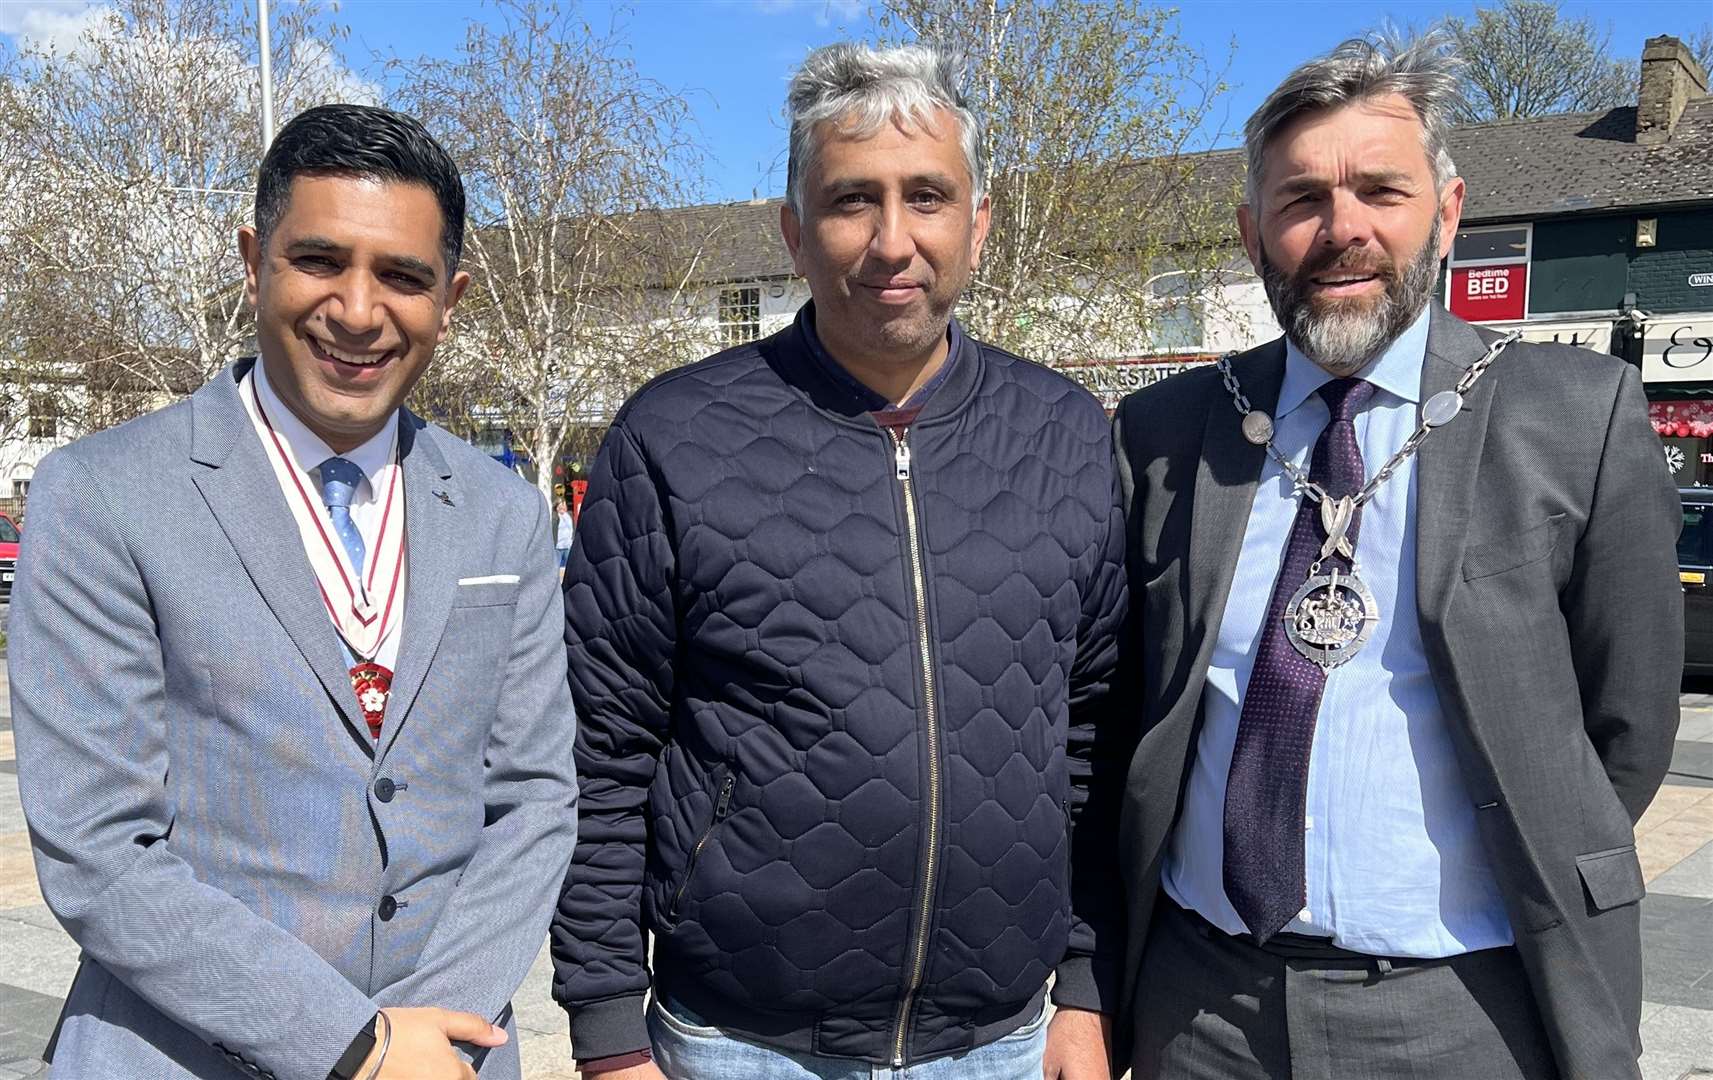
[1675,841]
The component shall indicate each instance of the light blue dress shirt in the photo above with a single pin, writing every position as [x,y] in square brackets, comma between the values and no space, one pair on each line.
[1393,863]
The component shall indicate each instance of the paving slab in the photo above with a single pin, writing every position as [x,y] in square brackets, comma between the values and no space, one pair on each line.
[11,811]
[1691,877]
[1676,957]
[1677,1042]
[1691,763]
[1696,726]
[26,1022]
[39,960]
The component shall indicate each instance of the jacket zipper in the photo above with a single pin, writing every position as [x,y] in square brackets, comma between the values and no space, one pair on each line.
[720,807]
[918,944]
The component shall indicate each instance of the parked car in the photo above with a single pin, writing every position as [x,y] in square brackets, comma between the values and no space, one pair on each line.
[8,556]
[1695,570]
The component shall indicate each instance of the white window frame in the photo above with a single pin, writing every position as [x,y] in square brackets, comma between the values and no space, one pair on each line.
[733,298]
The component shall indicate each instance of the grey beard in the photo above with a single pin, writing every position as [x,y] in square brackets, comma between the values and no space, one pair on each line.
[1344,340]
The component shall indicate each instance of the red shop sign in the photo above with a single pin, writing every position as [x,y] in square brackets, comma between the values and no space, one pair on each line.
[1488,293]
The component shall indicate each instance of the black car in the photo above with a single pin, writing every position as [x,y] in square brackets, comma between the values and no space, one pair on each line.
[1695,569]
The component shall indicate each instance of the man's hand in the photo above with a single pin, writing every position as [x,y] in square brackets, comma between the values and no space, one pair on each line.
[1078,1043]
[648,1070]
[421,1046]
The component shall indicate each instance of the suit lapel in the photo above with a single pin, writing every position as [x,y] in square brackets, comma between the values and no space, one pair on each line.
[434,530]
[245,498]
[1226,478]
[1446,462]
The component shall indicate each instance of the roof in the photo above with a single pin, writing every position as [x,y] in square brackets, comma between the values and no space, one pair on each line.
[1582,162]
[1571,163]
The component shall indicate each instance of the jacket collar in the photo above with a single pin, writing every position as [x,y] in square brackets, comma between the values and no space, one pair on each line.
[797,356]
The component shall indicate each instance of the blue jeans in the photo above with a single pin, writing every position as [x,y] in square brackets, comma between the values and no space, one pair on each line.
[685,1049]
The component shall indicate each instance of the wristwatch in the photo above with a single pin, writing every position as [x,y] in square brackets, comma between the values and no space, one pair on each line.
[354,1056]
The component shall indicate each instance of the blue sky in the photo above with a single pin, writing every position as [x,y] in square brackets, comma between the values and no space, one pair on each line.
[736,55]
[733,57]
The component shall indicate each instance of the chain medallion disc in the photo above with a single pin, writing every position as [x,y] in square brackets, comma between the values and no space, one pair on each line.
[1331,617]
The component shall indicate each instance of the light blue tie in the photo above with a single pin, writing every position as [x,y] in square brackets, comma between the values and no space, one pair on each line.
[339,480]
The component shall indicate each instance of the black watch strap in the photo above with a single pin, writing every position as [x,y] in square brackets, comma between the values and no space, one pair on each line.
[354,1056]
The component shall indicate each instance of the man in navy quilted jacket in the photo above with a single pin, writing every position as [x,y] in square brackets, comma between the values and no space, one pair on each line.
[842,620]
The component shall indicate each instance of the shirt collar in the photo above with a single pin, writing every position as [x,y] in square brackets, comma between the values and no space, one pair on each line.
[1397,370]
[305,446]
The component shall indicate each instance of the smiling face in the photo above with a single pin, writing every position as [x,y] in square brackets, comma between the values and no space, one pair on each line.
[888,240]
[1350,229]
[351,298]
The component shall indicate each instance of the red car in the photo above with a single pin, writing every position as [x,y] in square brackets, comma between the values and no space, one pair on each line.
[8,555]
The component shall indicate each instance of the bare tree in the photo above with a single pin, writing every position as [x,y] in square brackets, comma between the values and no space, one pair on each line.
[1701,45]
[1524,58]
[579,284]
[1105,227]
[139,146]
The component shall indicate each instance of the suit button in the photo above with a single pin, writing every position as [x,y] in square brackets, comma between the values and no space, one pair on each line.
[384,789]
[389,907]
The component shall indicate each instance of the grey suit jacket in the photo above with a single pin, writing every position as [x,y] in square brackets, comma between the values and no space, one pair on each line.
[1552,616]
[247,875]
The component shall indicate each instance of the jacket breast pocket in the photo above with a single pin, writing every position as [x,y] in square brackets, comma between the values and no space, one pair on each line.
[1510,552]
[1611,878]
[486,594]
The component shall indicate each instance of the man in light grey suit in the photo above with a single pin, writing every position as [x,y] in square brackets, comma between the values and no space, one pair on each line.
[292,724]
[1409,644]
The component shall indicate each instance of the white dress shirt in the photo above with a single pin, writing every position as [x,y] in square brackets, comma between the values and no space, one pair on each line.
[307,452]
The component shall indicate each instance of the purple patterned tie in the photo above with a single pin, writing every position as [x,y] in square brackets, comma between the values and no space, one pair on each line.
[1267,786]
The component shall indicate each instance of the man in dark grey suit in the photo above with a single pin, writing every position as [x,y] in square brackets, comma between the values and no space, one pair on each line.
[294,737]
[1409,638]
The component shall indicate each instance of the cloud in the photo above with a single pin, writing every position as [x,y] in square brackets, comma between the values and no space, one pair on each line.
[57,26]
[319,74]
[826,12]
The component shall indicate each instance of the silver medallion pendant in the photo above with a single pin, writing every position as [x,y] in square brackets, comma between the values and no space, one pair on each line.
[1442,408]
[1331,617]
[1257,427]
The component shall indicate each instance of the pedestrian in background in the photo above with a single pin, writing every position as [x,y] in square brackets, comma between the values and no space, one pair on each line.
[562,535]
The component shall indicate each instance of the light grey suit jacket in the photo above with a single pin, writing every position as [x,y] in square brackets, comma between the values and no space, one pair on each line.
[1552,616]
[248,877]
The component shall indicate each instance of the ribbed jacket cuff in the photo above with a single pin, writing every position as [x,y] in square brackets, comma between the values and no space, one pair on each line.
[603,1029]
[1075,987]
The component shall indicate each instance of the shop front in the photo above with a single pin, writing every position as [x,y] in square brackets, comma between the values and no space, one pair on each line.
[1677,371]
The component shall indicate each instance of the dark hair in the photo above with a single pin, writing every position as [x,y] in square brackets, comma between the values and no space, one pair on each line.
[365,141]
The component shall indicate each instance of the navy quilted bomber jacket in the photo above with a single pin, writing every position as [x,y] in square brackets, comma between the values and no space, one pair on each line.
[838,709]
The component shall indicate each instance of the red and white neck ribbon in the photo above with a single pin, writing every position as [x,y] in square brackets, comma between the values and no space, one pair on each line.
[363,609]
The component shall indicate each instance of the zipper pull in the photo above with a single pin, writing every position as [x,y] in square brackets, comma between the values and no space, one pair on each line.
[902,458]
[725,798]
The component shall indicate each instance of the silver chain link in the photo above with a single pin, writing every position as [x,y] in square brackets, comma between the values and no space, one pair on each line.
[1300,481]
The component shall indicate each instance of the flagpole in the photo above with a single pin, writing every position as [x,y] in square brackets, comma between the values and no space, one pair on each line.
[267,75]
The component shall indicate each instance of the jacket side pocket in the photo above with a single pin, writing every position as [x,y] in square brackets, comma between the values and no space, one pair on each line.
[724,780]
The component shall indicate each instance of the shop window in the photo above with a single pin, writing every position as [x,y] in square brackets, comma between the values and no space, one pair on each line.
[1685,429]
[740,315]
[1489,273]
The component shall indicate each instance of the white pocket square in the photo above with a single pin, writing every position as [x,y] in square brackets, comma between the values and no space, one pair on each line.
[491,579]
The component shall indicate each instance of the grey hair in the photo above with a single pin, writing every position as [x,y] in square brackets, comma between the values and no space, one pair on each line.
[862,89]
[1424,70]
